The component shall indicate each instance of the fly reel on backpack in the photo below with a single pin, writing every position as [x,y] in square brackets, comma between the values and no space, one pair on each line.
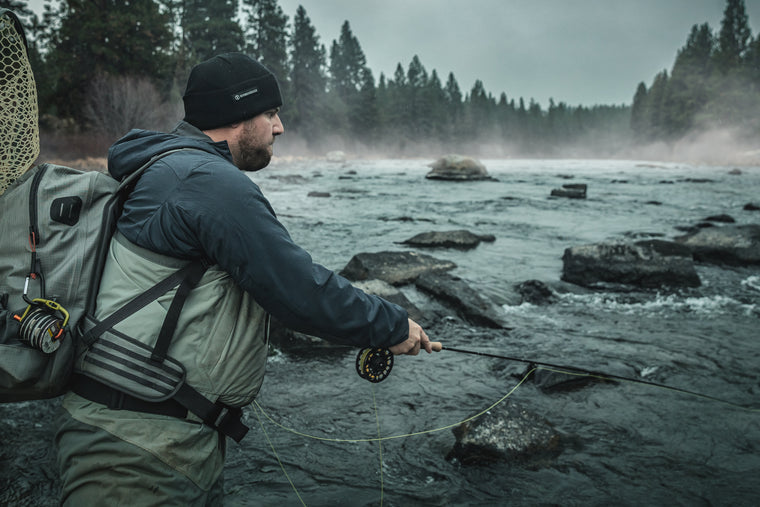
[374,364]
[42,325]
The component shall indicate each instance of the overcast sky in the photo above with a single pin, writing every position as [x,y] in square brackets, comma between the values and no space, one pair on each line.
[575,51]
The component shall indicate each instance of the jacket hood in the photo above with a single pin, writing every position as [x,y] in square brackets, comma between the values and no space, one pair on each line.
[138,146]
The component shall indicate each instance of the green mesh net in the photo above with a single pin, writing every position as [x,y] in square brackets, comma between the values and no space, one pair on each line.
[19,130]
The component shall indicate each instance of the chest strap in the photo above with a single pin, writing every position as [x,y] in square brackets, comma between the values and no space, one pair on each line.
[221,417]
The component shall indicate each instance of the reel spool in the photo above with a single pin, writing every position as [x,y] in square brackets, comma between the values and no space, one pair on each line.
[374,364]
[43,324]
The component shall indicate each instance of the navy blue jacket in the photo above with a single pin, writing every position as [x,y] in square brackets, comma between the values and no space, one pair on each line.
[194,204]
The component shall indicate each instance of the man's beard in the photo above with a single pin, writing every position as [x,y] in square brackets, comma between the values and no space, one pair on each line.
[251,156]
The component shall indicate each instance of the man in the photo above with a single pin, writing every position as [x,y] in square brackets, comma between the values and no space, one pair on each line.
[191,204]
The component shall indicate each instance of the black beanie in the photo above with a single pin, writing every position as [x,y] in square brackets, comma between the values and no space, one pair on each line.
[229,88]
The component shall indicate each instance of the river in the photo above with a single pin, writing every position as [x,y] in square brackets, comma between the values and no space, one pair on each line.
[624,443]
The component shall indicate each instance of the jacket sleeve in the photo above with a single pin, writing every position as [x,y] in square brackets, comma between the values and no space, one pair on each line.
[238,229]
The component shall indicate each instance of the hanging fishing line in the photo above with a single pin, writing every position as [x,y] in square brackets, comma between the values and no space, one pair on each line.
[375,365]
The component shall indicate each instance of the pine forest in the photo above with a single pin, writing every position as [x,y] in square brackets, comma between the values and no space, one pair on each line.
[106,66]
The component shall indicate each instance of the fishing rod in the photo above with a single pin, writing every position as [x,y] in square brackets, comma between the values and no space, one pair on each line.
[375,364]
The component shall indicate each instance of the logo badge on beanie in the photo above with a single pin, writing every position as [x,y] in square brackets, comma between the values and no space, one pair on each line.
[242,95]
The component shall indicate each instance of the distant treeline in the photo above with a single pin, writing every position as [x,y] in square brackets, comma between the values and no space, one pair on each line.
[107,66]
[714,82]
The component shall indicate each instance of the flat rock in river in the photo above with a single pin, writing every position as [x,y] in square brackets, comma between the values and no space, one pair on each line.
[396,268]
[737,245]
[460,239]
[456,293]
[650,263]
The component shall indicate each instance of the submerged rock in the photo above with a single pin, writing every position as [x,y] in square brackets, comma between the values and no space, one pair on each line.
[505,433]
[552,381]
[571,190]
[726,219]
[456,293]
[396,268]
[461,239]
[535,292]
[650,263]
[457,168]
[737,245]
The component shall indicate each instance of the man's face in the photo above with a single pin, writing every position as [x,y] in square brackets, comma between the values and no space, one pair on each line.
[254,146]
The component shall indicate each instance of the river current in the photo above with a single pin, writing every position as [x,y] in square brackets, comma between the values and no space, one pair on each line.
[625,443]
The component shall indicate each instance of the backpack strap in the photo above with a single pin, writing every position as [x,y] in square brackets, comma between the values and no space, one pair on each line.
[144,299]
[219,416]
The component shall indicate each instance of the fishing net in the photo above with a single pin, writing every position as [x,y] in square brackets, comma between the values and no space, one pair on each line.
[19,130]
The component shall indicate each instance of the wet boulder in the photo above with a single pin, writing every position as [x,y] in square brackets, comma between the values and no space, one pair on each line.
[457,168]
[736,245]
[649,264]
[750,206]
[461,239]
[571,190]
[506,433]
[394,295]
[457,294]
[395,268]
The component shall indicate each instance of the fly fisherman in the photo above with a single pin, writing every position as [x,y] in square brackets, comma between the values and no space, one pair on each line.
[199,204]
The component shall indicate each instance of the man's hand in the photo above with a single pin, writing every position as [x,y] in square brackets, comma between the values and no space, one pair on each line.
[417,339]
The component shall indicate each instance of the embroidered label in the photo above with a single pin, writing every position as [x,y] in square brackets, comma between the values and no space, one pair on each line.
[242,95]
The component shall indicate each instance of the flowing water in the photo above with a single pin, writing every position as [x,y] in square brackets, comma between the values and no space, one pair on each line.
[624,443]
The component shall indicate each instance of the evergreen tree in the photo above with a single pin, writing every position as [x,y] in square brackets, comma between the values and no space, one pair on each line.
[654,110]
[478,108]
[638,111]
[687,91]
[734,36]
[306,111]
[437,113]
[349,75]
[417,101]
[267,36]
[209,27]
[347,64]
[455,108]
[103,37]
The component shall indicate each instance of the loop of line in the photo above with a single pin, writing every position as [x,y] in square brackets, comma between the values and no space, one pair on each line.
[405,435]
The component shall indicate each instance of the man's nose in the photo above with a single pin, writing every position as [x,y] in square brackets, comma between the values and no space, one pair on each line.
[277,128]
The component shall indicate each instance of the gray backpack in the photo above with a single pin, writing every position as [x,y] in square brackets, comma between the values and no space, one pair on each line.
[55,228]
[52,232]
[57,224]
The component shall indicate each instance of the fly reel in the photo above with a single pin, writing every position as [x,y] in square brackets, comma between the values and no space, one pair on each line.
[42,325]
[374,364]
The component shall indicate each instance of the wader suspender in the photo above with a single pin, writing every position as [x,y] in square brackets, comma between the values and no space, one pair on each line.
[219,416]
